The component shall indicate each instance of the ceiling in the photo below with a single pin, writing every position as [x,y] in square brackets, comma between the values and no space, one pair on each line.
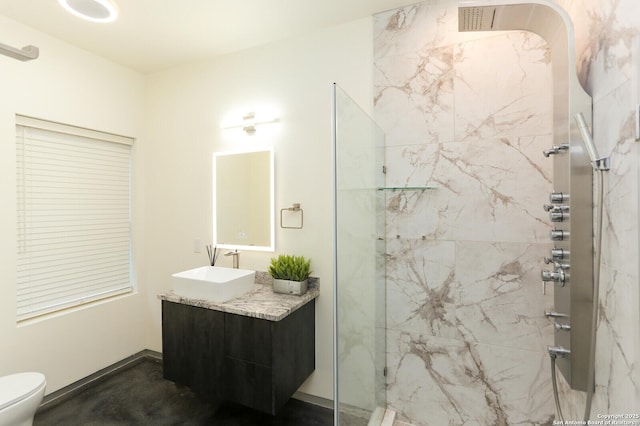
[151,35]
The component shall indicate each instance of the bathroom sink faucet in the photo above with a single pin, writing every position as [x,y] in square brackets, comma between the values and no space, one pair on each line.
[236,258]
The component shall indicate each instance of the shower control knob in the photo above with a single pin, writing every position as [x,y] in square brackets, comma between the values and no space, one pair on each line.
[555,276]
[555,208]
[558,197]
[558,253]
[558,215]
[559,235]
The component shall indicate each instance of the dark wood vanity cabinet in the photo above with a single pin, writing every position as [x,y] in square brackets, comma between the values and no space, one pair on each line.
[251,361]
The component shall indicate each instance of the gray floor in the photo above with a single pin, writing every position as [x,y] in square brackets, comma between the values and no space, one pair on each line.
[139,395]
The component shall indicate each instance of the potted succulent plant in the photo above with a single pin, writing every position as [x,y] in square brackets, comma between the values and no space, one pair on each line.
[290,273]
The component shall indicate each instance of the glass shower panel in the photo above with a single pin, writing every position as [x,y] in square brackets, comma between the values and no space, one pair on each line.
[359,259]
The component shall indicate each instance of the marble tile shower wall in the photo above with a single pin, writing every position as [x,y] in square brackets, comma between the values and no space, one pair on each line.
[469,113]
[608,51]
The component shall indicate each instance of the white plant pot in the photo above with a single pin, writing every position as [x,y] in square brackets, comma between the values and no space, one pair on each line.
[289,287]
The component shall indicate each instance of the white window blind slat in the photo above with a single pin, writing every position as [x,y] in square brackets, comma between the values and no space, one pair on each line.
[62,253]
[69,296]
[58,304]
[74,280]
[74,237]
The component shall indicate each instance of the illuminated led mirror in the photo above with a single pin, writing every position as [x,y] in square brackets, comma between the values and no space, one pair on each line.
[243,200]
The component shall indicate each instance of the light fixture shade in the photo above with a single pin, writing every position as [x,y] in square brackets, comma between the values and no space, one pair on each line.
[250,120]
[92,10]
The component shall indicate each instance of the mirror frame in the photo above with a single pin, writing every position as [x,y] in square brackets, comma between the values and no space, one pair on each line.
[271,246]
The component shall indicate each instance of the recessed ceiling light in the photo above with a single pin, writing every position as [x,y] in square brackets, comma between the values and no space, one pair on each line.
[92,10]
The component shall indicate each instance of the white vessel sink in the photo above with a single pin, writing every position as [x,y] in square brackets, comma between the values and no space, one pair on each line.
[214,283]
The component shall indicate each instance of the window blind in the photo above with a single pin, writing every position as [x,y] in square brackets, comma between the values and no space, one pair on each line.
[73,209]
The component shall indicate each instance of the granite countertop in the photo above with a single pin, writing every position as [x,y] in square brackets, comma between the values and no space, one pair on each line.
[261,302]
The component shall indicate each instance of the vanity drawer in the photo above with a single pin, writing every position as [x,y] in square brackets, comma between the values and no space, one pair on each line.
[192,349]
[250,384]
[248,339]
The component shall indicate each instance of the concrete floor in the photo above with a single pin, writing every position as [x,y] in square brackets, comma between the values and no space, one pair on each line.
[138,395]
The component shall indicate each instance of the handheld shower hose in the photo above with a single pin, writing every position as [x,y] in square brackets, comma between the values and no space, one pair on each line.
[596,292]
[600,165]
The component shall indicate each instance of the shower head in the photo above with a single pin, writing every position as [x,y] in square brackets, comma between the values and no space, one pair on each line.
[502,15]
[476,18]
[598,163]
[542,17]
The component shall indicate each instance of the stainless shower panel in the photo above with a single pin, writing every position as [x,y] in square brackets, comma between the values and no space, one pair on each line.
[571,202]
[573,175]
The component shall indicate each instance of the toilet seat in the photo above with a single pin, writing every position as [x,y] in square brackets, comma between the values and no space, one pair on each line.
[16,387]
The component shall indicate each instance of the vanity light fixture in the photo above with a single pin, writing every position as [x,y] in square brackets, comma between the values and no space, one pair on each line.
[92,10]
[250,121]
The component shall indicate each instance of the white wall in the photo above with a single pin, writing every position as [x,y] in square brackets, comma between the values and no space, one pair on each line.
[185,107]
[71,86]
[175,116]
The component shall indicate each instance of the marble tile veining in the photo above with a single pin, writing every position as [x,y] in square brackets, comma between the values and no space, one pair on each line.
[469,114]
[487,190]
[436,381]
[261,302]
[513,102]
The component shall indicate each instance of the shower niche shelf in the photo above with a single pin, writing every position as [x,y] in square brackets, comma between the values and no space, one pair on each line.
[407,188]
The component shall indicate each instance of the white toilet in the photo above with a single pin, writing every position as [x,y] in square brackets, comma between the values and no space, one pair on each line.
[20,397]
